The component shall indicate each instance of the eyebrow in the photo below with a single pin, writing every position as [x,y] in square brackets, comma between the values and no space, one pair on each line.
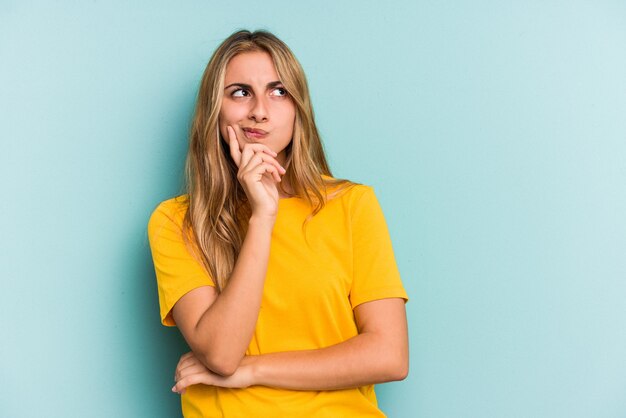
[269,85]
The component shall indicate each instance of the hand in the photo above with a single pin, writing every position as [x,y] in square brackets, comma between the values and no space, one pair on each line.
[259,173]
[190,371]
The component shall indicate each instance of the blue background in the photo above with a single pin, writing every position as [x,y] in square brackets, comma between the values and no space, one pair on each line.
[493,132]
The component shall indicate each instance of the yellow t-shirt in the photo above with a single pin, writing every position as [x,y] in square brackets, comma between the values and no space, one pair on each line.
[311,288]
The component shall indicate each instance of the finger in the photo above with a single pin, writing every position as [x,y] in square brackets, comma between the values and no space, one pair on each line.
[259,158]
[250,149]
[194,379]
[181,360]
[189,370]
[185,360]
[185,364]
[273,161]
[235,153]
[256,173]
[273,172]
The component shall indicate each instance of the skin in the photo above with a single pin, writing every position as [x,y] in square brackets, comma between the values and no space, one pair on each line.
[254,97]
[219,327]
[378,354]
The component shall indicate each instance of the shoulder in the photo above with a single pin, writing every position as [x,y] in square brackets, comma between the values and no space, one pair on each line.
[345,190]
[358,202]
[168,214]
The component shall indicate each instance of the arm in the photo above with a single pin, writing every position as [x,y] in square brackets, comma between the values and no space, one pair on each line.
[218,327]
[378,354]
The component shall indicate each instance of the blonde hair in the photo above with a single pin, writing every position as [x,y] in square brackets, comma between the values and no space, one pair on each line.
[216,220]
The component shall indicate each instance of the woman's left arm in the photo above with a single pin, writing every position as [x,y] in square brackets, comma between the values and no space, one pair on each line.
[379,353]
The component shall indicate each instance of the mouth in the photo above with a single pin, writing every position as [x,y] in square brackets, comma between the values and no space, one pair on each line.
[252,133]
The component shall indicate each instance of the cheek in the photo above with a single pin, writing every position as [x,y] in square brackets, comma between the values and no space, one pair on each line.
[222,124]
[230,113]
[289,118]
[225,117]
[228,116]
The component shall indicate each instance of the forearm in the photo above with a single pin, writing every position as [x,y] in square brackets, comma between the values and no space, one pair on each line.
[224,330]
[379,353]
[362,360]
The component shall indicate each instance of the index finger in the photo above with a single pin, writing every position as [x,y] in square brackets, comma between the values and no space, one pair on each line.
[234,145]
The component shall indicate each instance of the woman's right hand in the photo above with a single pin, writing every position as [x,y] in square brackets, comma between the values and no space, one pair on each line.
[259,174]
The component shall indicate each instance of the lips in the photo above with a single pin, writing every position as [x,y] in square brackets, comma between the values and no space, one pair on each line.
[252,133]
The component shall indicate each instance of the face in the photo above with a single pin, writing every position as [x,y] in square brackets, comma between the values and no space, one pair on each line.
[255,103]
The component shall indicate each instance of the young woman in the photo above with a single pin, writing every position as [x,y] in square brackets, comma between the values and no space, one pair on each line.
[281,278]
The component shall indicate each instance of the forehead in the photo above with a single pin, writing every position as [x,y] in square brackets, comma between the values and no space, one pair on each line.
[251,68]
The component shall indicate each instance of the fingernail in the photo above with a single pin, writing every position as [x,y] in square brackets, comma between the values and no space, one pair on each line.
[174,388]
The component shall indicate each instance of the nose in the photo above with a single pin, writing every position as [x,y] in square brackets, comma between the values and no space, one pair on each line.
[258,111]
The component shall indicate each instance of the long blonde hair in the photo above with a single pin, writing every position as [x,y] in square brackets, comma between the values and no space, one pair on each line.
[216,220]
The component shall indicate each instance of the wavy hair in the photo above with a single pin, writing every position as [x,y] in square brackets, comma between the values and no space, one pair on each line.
[215,223]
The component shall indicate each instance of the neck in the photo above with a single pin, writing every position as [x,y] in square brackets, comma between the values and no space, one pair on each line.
[288,191]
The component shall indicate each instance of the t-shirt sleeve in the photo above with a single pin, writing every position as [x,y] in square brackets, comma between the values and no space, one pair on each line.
[177,271]
[376,274]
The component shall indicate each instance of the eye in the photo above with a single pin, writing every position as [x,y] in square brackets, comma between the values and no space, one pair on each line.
[240,93]
[279,91]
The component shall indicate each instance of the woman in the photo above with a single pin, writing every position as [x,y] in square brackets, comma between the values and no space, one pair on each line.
[281,279]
